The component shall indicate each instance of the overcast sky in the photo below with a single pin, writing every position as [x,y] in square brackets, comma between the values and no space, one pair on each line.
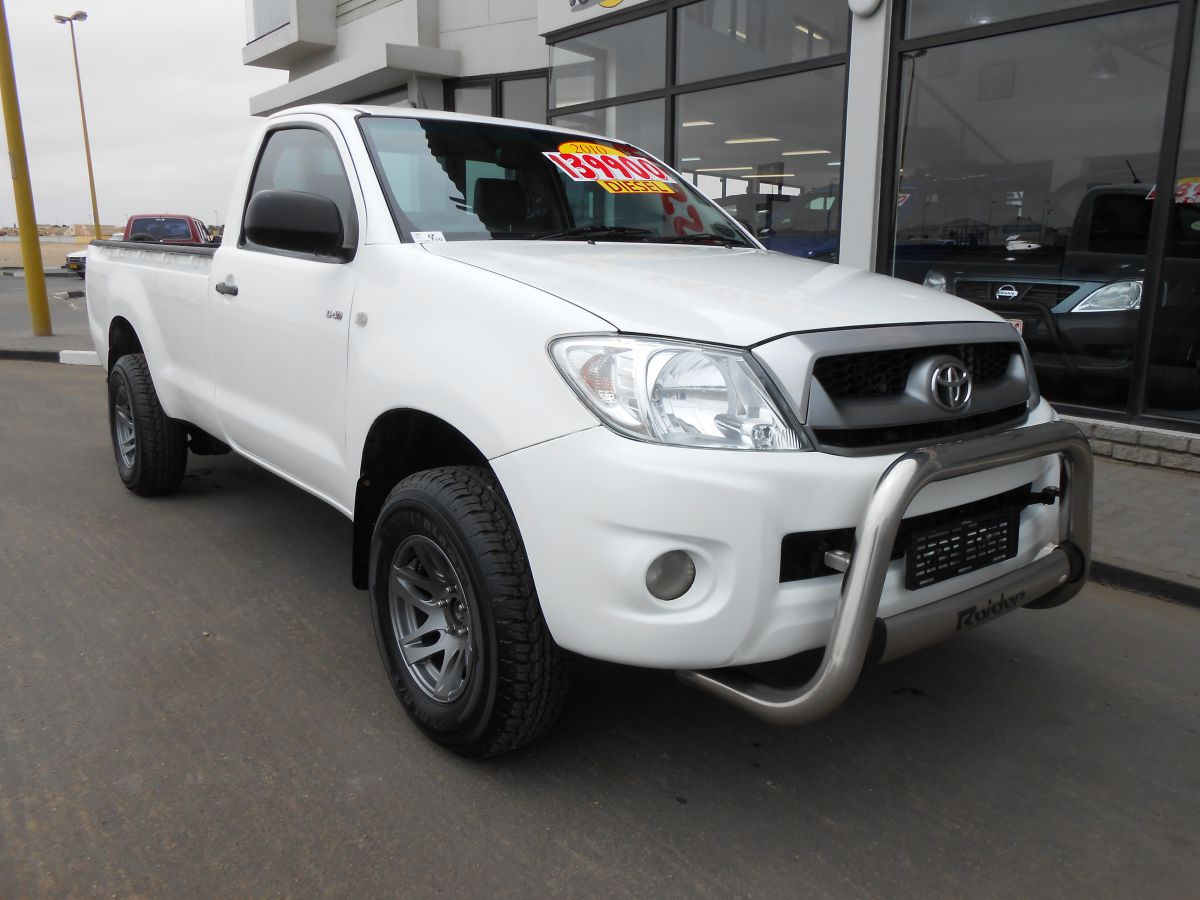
[167,105]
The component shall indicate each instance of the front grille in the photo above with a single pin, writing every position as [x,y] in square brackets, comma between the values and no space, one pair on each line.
[917,432]
[884,373]
[1046,293]
[802,554]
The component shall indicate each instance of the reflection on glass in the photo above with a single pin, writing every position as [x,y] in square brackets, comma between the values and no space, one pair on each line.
[472,182]
[1175,351]
[524,99]
[771,157]
[724,37]
[642,124]
[935,16]
[475,100]
[624,59]
[1026,163]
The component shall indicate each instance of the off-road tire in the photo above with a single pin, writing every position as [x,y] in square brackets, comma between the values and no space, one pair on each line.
[518,682]
[160,447]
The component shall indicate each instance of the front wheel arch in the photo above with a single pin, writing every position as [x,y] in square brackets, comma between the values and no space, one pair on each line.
[400,443]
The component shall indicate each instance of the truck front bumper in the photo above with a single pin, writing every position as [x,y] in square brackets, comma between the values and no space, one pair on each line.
[596,509]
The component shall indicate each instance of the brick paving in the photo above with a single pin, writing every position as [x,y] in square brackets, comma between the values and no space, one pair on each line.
[1148,520]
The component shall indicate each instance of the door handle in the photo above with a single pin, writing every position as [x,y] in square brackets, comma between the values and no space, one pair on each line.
[229,290]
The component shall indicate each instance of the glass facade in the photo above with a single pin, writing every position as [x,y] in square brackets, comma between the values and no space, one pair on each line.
[611,62]
[771,157]
[726,37]
[639,123]
[752,112]
[520,95]
[935,16]
[1174,374]
[1025,165]
[473,99]
[524,99]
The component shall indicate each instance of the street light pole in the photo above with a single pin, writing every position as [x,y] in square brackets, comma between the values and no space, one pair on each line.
[81,16]
[31,247]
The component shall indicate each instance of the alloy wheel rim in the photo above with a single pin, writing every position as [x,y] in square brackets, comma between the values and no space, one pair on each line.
[123,421]
[431,619]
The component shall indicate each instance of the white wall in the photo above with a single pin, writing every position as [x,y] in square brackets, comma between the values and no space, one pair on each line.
[493,36]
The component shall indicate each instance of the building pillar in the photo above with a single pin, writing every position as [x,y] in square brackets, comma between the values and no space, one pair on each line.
[862,161]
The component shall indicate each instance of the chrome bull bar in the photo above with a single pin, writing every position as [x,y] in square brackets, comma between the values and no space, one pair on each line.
[1048,581]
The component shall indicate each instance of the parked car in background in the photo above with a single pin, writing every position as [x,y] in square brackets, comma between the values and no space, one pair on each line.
[1075,292]
[77,262]
[166,229]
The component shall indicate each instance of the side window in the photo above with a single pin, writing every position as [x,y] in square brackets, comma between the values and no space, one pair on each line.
[304,159]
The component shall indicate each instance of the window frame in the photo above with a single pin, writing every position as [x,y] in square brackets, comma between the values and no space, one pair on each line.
[495,82]
[350,240]
[1183,56]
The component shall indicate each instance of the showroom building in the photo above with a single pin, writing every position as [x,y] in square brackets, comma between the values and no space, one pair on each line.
[1019,143]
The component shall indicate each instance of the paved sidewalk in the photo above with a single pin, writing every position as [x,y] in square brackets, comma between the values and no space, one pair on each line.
[1148,520]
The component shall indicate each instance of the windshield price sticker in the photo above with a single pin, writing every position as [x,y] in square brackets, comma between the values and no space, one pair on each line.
[615,171]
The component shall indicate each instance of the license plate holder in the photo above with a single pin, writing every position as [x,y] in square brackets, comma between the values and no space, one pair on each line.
[949,550]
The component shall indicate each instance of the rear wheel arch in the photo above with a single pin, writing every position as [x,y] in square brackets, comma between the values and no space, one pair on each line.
[401,442]
[122,340]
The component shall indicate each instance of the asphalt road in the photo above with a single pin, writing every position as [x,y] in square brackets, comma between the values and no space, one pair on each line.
[193,705]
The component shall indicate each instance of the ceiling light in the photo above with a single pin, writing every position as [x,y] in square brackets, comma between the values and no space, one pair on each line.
[802,28]
[697,123]
[835,163]
[780,175]
[754,140]
[690,159]
[741,34]
[805,153]
[729,169]
[818,37]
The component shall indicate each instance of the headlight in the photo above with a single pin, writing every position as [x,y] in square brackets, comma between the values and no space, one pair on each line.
[935,280]
[688,395]
[1119,296]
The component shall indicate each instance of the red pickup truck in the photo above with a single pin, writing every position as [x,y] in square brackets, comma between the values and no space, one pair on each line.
[166,229]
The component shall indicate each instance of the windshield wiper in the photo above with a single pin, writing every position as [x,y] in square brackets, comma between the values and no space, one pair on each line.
[595,231]
[703,237]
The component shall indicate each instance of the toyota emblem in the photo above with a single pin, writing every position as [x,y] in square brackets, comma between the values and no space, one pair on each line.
[951,386]
[1006,292]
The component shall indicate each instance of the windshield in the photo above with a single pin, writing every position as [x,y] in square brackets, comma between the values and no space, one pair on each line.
[469,181]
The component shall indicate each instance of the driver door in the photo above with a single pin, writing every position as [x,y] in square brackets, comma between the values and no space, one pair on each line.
[280,322]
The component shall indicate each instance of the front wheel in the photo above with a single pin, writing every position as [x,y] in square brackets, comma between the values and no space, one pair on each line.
[150,447]
[456,615]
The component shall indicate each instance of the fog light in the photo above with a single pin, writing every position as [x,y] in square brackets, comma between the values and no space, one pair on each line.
[671,575]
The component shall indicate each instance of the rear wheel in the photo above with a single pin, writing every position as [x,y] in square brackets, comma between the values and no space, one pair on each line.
[150,447]
[456,615]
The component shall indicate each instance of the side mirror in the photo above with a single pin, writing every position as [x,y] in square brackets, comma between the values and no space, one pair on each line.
[766,232]
[295,221]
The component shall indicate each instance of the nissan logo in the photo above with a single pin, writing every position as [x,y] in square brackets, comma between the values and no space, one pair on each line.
[950,386]
[1006,292]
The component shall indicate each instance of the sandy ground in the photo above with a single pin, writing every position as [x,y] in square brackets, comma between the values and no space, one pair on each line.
[53,255]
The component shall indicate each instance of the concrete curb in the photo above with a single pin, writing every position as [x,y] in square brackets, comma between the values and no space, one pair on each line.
[1148,585]
[67,357]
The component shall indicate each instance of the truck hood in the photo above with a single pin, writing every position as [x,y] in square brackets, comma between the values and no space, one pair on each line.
[728,296]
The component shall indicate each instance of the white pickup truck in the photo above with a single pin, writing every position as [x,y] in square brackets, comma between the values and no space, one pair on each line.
[571,405]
